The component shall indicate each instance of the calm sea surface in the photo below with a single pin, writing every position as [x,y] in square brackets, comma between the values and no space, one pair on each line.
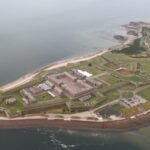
[34,33]
[61,139]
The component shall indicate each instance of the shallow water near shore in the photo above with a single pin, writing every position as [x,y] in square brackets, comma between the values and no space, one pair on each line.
[63,139]
[36,33]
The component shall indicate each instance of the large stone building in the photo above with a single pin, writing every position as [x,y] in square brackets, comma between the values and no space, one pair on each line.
[71,86]
[75,84]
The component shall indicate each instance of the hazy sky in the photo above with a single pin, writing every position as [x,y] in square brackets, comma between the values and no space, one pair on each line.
[23,8]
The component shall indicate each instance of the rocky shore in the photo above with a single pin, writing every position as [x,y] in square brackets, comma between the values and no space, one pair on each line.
[126,123]
[124,39]
[119,125]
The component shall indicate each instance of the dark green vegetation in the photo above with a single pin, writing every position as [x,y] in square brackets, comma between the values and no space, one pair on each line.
[140,47]
[145,93]
[146,31]
[117,71]
[134,48]
[43,96]
[124,77]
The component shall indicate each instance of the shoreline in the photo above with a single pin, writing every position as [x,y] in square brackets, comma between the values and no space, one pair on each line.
[54,65]
[57,64]
[52,121]
[118,125]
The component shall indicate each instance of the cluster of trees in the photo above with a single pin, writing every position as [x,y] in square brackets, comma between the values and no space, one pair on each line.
[133,49]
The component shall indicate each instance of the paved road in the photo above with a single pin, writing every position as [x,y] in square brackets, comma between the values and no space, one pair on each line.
[142,88]
[82,115]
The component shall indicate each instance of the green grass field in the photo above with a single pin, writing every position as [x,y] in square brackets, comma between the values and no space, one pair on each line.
[13,108]
[96,66]
[109,80]
[112,96]
[43,96]
[145,94]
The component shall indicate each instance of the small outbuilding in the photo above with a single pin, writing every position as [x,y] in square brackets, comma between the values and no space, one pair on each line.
[10,101]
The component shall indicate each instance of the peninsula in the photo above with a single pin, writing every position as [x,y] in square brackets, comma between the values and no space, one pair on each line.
[108,89]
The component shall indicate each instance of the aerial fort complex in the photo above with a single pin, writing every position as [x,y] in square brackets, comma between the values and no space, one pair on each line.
[109,85]
[73,84]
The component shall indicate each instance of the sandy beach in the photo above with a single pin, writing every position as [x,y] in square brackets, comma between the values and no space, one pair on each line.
[28,77]
[53,121]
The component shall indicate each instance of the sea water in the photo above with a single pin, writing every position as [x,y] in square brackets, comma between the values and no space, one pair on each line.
[68,139]
[34,33]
